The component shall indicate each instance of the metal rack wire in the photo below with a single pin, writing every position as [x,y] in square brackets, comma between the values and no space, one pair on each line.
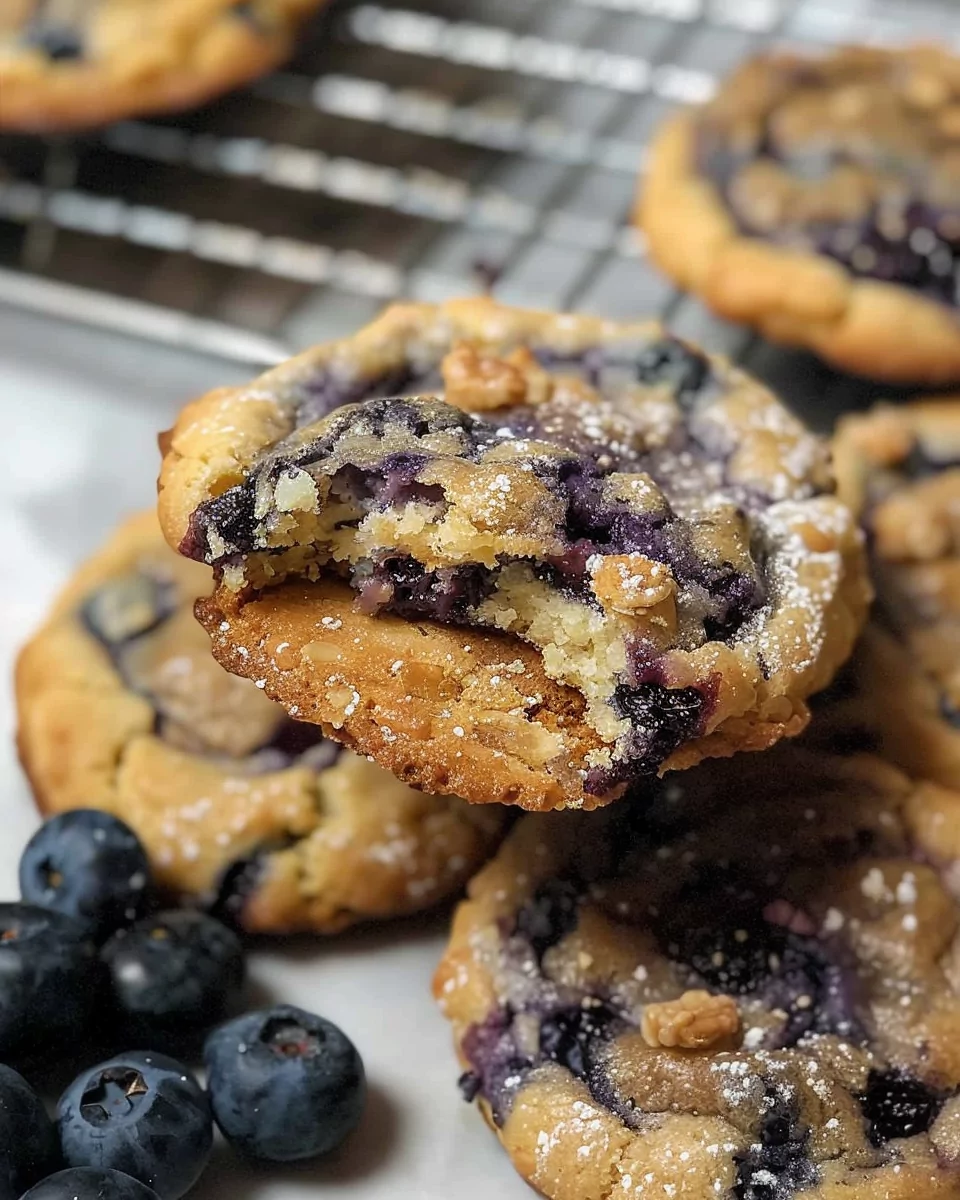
[422,149]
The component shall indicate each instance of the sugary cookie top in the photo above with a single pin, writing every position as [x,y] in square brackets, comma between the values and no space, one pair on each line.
[755,964]
[855,155]
[648,448]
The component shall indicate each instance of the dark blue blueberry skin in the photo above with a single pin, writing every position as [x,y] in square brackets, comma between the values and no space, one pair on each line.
[549,915]
[90,866]
[29,1149]
[173,974]
[778,1167]
[896,1105]
[50,983]
[90,1183]
[284,1084]
[142,1114]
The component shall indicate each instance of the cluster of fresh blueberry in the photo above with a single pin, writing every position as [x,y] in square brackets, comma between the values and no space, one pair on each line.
[85,960]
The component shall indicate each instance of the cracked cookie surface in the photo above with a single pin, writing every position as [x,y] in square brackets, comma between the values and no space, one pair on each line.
[899,467]
[122,707]
[818,199]
[67,64]
[561,550]
[742,982]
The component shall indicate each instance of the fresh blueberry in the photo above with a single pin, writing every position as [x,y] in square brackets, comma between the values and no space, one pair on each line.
[89,866]
[142,1114]
[284,1084]
[174,974]
[28,1141]
[90,1183]
[50,980]
[896,1105]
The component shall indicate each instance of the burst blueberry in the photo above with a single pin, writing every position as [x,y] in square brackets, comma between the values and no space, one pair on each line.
[90,866]
[173,974]
[897,1105]
[142,1114]
[29,1149]
[90,1183]
[284,1084]
[549,915]
[778,1166]
[676,364]
[50,981]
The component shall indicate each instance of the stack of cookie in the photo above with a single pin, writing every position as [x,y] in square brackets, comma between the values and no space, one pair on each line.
[561,564]
[584,569]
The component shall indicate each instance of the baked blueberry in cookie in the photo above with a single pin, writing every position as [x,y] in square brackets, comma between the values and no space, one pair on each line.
[648,520]
[239,808]
[821,197]
[66,64]
[899,467]
[741,982]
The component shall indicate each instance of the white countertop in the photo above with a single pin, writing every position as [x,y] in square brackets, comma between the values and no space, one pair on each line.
[85,409]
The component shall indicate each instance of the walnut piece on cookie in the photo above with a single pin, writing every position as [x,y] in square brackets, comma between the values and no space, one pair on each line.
[817,199]
[743,981]
[122,707]
[630,558]
[70,66]
[899,468]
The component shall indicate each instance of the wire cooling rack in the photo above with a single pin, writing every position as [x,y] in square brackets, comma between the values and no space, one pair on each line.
[422,149]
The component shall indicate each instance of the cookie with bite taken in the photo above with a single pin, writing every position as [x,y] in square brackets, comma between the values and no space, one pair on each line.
[524,557]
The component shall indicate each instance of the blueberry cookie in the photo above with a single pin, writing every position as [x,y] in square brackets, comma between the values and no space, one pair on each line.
[121,707]
[519,556]
[900,469]
[818,199]
[740,984]
[67,64]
